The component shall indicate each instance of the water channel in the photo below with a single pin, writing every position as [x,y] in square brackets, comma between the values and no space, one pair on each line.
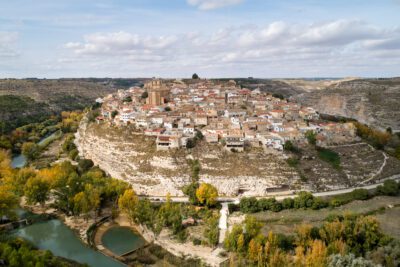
[55,236]
[19,160]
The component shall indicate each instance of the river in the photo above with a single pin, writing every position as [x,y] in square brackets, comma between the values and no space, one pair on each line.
[55,236]
[19,160]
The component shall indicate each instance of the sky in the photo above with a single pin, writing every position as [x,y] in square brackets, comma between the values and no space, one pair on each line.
[214,38]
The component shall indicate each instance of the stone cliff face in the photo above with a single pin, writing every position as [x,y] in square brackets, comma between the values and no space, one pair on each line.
[132,157]
[374,102]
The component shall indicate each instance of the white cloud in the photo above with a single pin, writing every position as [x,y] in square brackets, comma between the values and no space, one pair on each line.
[342,44]
[119,43]
[7,44]
[213,4]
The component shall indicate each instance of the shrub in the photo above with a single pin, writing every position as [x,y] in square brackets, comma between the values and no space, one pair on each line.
[249,205]
[389,188]
[303,200]
[276,207]
[360,194]
[289,146]
[311,137]
[319,203]
[85,164]
[287,203]
[266,203]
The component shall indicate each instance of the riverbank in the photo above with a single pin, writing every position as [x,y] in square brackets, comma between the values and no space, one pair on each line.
[185,250]
[78,224]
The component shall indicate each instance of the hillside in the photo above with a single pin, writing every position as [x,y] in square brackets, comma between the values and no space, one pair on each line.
[370,101]
[24,101]
[127,154]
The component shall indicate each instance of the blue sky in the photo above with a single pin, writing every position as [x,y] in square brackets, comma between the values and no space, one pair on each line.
[215,38]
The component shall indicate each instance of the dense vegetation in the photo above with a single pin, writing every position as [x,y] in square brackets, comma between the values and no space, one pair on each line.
[81,189]
[384,140]
[157,216]
[340,239]
[305,200]
[25,138]
[16,111]
[15,252]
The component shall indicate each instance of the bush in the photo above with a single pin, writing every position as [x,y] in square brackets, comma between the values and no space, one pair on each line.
[276,207]
[389,188]
[85,164]
[319,203]
[287,203]
[356,194]
[311,137]
[266,203]
[289,146]
[360,194]
[249,205]
[69,144]
[303,200]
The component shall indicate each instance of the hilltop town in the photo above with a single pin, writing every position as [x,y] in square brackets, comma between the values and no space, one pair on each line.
[178,113]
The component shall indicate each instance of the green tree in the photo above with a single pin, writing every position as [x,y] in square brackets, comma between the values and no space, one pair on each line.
[81,204]
[195,76]
[289,146]
[30,150]
[85,164]
[252,226]
[287,203]
[231,237]
[190,191]
[389,188]
[87,201]
[303,200]
[211,233]
[37,190]
[248,205]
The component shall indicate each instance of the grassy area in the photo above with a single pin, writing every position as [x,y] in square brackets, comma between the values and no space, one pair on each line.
[389,221]
[329,156]
[286,220]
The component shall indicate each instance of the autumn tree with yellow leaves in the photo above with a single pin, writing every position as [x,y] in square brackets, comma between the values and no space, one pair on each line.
[207,194]
[128,203]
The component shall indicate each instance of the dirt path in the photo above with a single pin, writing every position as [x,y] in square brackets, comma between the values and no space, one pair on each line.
[223,222]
